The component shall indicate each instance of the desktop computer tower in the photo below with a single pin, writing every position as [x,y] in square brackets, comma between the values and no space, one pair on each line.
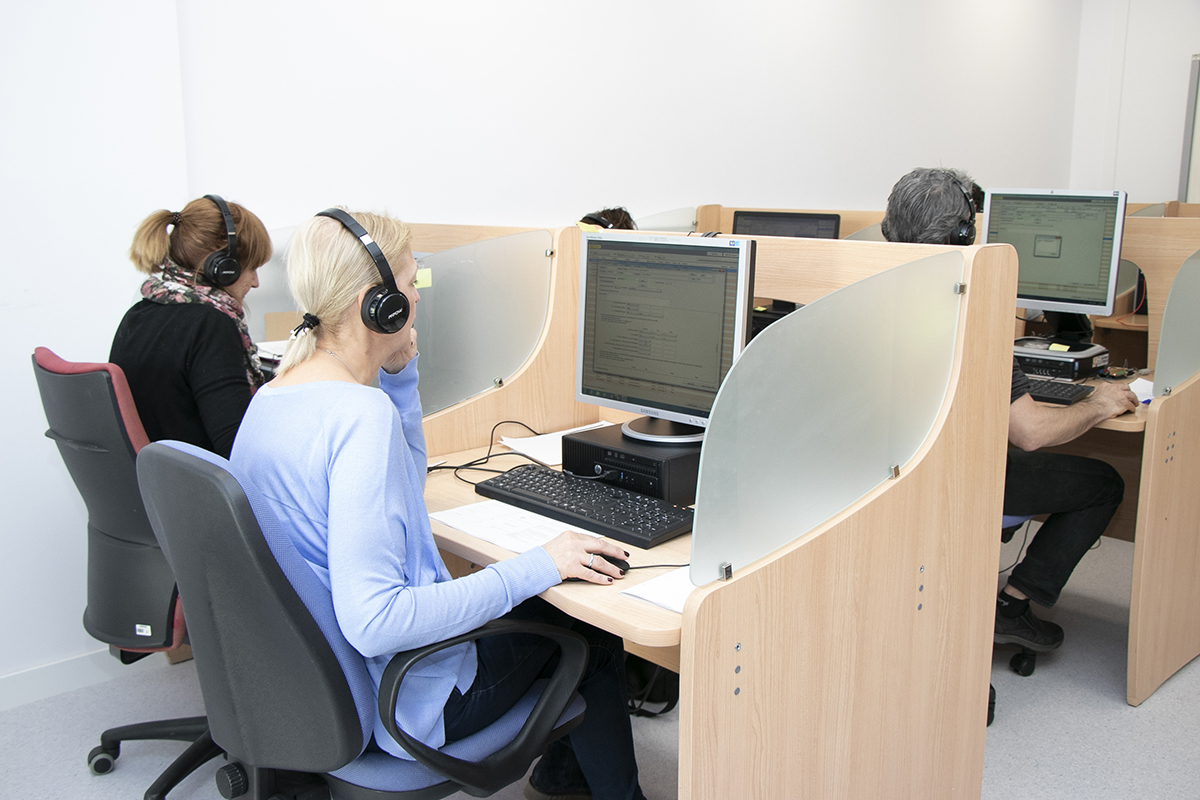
[667,471]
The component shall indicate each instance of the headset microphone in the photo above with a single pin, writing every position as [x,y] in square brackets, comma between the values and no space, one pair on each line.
[222,268]
[385,308]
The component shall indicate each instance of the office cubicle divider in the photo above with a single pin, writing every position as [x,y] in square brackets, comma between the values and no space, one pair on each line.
[821,408]
[1164,611]
[1179,340]
[481,315]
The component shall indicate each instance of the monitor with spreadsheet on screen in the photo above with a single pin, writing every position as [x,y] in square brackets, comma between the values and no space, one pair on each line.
[786,223]
[1068,246]
[661,321]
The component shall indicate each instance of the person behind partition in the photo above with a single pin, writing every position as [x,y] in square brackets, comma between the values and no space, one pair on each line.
[343,466]
[610,219]
[933,206]
[185,348]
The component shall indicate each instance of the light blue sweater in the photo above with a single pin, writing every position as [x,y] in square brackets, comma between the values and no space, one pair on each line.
[343,467]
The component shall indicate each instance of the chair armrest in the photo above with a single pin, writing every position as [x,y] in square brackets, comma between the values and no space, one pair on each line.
[510,762]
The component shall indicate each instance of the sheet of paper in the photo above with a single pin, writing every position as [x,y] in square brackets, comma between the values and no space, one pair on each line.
[507,526]
[669,591]
[546,448]
[1143,388]
[272,350]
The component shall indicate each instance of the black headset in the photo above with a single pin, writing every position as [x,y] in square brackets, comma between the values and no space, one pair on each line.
[385,308]
[964,232]
[596,219]
[222,267]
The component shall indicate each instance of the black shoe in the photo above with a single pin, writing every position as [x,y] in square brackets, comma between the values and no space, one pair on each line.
[991,703]
[1038,635]
[557,775]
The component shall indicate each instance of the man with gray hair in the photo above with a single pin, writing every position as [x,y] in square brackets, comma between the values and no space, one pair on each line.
[936,206]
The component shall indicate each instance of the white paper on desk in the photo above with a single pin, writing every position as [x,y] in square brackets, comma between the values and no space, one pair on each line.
[1143,389]
[501,524]
[669,591]
[547,447]
[272,351]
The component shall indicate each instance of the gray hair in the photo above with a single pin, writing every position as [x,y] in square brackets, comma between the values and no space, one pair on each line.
[927,205]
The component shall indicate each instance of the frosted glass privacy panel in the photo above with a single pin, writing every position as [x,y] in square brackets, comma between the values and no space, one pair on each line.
[819,408]
[680,220]
[1179,342]
[481,314]
[871,233]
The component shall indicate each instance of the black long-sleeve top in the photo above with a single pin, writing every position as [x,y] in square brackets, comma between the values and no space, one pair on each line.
[187,372]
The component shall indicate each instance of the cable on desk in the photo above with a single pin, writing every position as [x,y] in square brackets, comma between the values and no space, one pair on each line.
[658,566]
[475,465]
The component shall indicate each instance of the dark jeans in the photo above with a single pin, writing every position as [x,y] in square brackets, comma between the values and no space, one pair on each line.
[508,666]
[1080,495]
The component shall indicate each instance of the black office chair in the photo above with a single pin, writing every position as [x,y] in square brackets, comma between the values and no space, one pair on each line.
[131,600]
[285,692]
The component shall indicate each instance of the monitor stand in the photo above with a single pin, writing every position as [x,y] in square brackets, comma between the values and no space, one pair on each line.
[662,431]
[1068,328]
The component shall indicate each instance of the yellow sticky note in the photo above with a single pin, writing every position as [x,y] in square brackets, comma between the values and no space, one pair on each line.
[424,278]
[1060,348]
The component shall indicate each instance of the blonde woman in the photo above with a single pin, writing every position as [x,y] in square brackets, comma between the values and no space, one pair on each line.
[343,466]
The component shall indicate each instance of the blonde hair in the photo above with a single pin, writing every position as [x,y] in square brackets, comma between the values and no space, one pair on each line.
[327,266]
[198,232]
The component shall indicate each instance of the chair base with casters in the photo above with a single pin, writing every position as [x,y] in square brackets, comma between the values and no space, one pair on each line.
[284,691]
[131,600]
[1024,662]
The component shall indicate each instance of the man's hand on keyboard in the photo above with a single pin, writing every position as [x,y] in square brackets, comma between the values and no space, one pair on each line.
[578,555]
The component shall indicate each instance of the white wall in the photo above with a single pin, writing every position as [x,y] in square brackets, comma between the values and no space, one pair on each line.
[1134,63]
[91,140]
[474,112]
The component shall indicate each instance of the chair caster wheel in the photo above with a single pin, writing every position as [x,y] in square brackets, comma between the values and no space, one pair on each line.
[232,781]
[1024,662]
[101,761]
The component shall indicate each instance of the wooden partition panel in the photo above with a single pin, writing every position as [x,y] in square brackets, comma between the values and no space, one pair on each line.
[1164,614]
[720,218]
[854,662]
[1159,246]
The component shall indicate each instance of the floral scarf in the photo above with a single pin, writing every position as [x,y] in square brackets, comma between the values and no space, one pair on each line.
[176,285]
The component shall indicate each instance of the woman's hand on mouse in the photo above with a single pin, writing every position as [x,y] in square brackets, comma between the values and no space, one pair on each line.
[578,555]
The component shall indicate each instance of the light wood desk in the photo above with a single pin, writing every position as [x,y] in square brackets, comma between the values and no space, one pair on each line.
[854,661]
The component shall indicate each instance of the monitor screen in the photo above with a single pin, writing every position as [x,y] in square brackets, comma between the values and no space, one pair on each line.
[786,223]
[661,321]
[1068,245]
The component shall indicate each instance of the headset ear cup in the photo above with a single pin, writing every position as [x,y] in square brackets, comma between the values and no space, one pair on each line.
[383,310]
[221,269]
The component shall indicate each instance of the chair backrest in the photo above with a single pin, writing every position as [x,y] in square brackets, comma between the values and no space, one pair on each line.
[93,420]
[275,691]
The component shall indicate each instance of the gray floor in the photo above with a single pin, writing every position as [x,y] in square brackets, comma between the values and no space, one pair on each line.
[1065,732]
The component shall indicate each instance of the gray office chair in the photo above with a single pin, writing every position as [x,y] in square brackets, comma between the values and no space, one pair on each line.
[131,600]
[285,692]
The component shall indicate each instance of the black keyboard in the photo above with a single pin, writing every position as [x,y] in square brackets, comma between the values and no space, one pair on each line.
[1058,392]
[610,511]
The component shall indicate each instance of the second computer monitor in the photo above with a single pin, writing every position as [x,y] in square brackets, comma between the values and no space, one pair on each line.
[1068,245]
[661,321]
[786,223]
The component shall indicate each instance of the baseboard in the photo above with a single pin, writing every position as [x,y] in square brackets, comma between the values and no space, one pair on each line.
[78,672]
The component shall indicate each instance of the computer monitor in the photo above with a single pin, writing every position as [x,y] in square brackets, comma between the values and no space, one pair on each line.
[1068,247]
[786,223]
[661,321]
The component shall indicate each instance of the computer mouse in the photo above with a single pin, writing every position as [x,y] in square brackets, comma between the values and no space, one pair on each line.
[619,563]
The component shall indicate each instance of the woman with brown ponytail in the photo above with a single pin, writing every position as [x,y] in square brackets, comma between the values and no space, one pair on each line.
[185,348]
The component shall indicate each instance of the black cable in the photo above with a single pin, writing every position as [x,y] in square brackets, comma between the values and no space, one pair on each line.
[1021,551]
[659,566]
[474,465]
